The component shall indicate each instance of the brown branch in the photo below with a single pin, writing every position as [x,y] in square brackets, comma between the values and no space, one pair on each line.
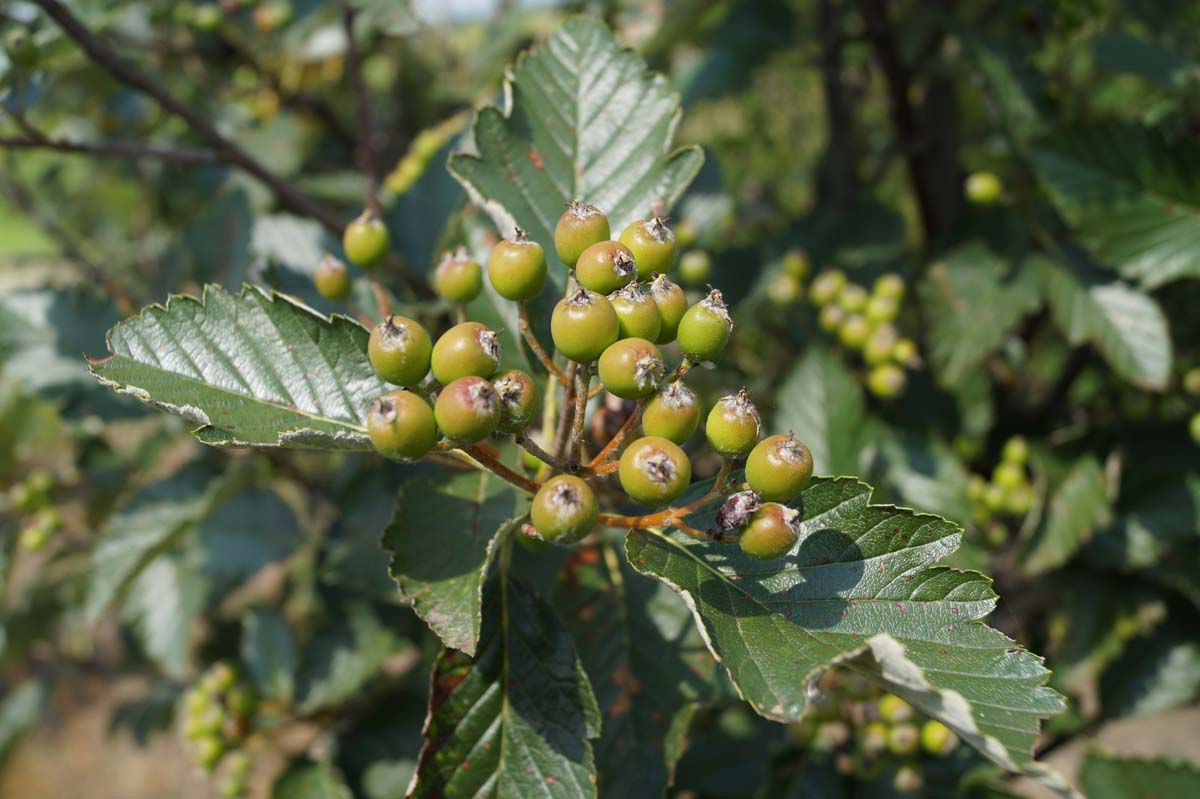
[500,470]
[367,154]
[535,345]
[126,72]
[583,379]
[529,445]
[566,412]
[180,155]
[615,442]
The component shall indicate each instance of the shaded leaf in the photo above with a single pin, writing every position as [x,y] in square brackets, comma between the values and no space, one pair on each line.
[343,656]
[822,403]
[19,710]
[1078,507]
[161,604]
[269,653]
[311,781]
[1155,673]
[1107,776]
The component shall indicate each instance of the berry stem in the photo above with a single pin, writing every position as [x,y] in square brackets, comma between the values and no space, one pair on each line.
[674,516]
[680,371]
[611,447]
[531,446]
[493,465]
[535,345]
[565,414]
[583,378]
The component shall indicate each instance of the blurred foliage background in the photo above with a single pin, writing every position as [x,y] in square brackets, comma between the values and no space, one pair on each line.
[1031,169]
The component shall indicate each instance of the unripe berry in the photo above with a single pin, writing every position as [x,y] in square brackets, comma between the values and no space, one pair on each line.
[886,381]
[881,310]
[241,700]
[826,287]
[908,780]
[993,498]
[983,188]
[673,413]
[465,349]
[905,352]
[795,263]
[831,317]
[637,313]
[784,289]
[402,426]
[467,410]
[583,325]
[1016,450]
[854,331]
[872,738]
[695,267]
[852,298]
[904,739]
[976,488]
[564,509]
[889,285]
[772,531]
[1019,499]
[880,345]
[893,709]
[457,278]
[332,278]
[605,267]
[220,677]
[704,330]
[654,471]
[631,368]
[238,763]
[518,396]
[580,226]
[365,240]
[994,535]
[937,738]
[231,788]
[672,305]
[400,351]
[652,244]
[208,752]
[1191,381]
[1194,428]
[517,268]
[1008,475]
[778,468]
[733,425]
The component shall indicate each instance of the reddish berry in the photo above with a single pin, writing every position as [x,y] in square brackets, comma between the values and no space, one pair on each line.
[400,351]
[654,471]
[465,349]
[518,400]
[564,509]
[771,532]
[467,410]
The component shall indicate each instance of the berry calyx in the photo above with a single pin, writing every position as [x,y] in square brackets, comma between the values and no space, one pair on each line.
[564,509]
[673,413]
[465,349]
[517,268]
[400,351]
[779,467]
[580,226]
[458,278]
[736,510]
[332,278]
[704,330]
[771,531]
[654,471]
[631,368]
[605,267]
[672,305]
[652,244]
[365,240]
[637,313]
[467,410]
[826,287]
[402,426]
[733,425]
[518,396]
[583,325]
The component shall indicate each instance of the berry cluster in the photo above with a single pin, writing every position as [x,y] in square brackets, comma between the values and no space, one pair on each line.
[619,320]
[32,498]
[864,322]
[218,709]
[871,735]
[1009,493]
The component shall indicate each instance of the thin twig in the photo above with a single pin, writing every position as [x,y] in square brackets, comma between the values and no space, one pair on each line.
[368,161]
[618,437]
[179,155]
[535,345]
[566,412]
[583,379]
[529,445]
[673,516]
[500,470]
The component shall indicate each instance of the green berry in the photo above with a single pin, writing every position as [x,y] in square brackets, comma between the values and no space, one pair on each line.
[637,313]
[457,278]
[733,425]
[231,788]
[332,278]
[402,426]
[983,188]
[673,413]
[631,368]
[893,709]
[831,317]
[400,351]
[771,532]
[518,396]
[695,267]
[905,352]
[704,330]
[672,305]
[221,677]
[517,268]
[605,267]
[852,298]
[208,751]
[854,331]
[195,701]
[1016,450]
[903,739]
[1194,428]
[467,410]
[994,535]
[652,244]
[937,738]
[886,381]
[881,310]
[908,780]
[1191,381]
[580,226]
[1019,499]
[976,488]
[654,471]
[993,498]
[784,289]
[826,287]
[365,240]
[890,286]
[1008,475]
[583,325]
[872,738]
[208,17]
[778,468]
[238,764]
[880,345]
[465,349]
[564,509]
[795,263]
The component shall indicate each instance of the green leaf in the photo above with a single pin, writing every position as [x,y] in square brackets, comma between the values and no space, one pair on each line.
[1077,508]
[1130,194]
[1155,673]
[163,600]
[514,721]
[859,589]
[1121,51]
[822,403]
[269,653]
[1126,325]
[43,332]
[581,119]
[926,473]
[255,369]
[441,538]
[1108,776]
[311,781]
[344,656]
[19,710]
[972,304]
[646,662]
